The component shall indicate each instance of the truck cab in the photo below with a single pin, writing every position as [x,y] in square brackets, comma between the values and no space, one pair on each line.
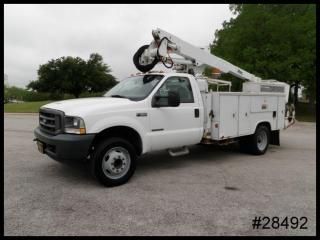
[142,113]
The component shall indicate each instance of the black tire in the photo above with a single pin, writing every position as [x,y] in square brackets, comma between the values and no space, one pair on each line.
[261,130]
[99,155]
[136,58]
[254,144]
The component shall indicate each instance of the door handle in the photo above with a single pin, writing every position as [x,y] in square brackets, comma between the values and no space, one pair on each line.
[196,112]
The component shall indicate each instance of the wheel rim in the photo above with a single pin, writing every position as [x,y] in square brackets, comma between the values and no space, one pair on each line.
[262,140]
[116,162]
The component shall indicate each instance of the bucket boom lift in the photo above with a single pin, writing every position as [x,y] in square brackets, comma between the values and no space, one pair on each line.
[191,59]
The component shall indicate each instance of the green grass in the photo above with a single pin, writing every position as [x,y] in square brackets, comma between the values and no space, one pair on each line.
[26,107]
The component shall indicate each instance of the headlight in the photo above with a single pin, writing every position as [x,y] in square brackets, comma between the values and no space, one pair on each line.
[74,125]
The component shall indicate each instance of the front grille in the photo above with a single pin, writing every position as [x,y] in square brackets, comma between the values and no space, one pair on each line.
[50,121]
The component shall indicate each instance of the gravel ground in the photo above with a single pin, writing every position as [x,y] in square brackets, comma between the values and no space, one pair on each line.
[211,191]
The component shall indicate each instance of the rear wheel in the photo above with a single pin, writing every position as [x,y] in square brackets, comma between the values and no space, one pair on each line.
[114,162]
[257,143]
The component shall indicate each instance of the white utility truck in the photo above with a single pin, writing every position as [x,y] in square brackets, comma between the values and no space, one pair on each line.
[156,111]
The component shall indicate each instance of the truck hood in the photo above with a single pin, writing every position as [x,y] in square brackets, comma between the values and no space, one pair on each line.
[82,107]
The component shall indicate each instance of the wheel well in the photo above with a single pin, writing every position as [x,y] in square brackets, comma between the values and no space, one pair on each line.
[267,124]
[124,132]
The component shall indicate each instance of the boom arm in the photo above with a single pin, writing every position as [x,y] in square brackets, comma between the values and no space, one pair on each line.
[193,57]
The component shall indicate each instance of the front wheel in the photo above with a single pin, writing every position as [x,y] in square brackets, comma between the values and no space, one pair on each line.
[114,161]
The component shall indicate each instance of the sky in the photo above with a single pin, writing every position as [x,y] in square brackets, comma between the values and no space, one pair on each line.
[35,34]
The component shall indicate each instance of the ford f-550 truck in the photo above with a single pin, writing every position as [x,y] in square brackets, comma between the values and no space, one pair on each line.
[156,111]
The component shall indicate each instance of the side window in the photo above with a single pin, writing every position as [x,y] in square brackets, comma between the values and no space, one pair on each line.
[181,85]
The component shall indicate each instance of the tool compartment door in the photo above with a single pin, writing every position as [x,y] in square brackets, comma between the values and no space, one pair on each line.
[228,116]
[281,112]
[244,115]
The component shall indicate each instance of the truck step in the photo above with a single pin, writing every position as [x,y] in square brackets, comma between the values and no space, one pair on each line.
[175,152]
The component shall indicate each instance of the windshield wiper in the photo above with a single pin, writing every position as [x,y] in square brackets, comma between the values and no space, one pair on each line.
[118,96]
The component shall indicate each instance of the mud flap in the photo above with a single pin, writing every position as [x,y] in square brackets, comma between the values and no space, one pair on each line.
[275,138]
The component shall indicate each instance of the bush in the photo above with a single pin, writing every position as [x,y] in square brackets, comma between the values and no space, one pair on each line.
[13,93]
[35,96]
[16,93]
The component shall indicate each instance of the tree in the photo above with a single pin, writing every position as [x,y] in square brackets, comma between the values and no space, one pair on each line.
[73,75]
[273,41]
[5,93]
[13,93]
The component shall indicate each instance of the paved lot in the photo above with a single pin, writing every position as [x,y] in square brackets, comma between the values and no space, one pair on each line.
[211,191]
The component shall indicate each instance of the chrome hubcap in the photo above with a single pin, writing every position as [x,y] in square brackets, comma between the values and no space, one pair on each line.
[262,140]
[116,162]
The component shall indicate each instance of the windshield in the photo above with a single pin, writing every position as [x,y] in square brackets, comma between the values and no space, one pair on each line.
[135,88]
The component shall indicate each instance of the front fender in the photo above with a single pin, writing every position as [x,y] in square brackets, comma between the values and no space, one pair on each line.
[108,122]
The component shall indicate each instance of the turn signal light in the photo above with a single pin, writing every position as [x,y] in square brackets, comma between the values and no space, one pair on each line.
[82,130]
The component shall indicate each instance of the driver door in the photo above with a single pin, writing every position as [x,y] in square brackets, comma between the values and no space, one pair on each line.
[175,126]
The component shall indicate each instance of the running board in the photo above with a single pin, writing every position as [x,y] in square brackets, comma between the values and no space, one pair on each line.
[175,152]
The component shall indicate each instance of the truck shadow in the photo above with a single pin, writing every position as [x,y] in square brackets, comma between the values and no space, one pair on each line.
[73,171]
[158,160]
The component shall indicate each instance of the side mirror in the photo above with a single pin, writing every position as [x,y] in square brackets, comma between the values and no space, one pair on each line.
[172,100]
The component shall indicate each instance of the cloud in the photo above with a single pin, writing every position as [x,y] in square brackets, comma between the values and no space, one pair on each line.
[34,34]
